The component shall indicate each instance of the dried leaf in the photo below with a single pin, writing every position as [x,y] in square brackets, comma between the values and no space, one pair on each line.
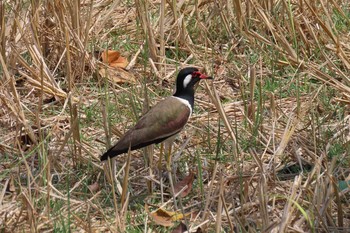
[121,62]
[180,228]
[177,215]
[11,187]
[114,71]
[188,180]
[162,217]
[109,56]
[165,218]
[114,59]
[94,187]
[117,75]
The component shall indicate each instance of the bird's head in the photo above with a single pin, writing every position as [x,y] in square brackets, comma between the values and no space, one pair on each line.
[187,78]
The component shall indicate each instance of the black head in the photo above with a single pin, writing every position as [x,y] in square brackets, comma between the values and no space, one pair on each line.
[186,79]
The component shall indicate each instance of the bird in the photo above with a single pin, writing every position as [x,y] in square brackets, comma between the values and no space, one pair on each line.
[166,119]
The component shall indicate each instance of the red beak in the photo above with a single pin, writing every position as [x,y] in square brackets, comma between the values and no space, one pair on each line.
[202,76]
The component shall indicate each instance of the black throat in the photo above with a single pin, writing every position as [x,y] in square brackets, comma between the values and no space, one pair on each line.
[186,94]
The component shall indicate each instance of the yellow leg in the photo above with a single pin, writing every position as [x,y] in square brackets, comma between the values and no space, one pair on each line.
[160,170]
[160,157]
[168,159]
[169,170]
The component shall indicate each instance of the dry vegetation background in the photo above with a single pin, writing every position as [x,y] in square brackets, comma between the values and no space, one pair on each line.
[269,140]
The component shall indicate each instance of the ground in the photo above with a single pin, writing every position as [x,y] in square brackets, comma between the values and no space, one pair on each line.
[266,149]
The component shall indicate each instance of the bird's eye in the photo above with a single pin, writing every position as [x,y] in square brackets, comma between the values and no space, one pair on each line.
[196,74]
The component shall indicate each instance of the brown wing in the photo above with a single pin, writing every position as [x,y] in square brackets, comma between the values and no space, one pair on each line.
[165,119]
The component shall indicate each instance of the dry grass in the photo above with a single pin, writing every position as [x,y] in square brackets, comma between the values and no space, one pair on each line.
[270,138]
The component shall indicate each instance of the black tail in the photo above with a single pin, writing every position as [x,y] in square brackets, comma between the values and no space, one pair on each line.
[112,153]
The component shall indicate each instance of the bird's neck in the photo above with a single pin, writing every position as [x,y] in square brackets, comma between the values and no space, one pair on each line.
[186,95]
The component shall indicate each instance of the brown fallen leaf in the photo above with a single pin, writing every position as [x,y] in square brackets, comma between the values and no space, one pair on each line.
[11,188]
[180,228]
[113,58]
[117,75]
[160,217]
[10,185]
[94,187]
[188,180]
[113,67]
[165,218]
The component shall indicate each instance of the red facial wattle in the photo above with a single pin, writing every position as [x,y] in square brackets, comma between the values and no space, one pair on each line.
[200,75]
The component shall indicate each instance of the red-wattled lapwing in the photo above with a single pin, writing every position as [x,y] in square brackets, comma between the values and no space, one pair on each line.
[165,119]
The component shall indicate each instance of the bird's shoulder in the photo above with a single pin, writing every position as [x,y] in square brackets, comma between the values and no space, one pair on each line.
[169,109]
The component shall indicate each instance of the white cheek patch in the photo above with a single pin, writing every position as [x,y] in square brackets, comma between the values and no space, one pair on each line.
[187,80]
